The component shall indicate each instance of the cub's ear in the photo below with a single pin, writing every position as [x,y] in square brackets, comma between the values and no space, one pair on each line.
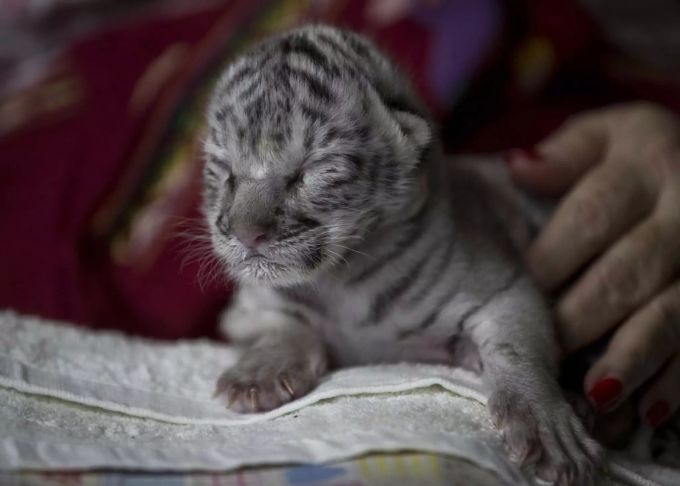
[415,128]
[416,135]
[406,122]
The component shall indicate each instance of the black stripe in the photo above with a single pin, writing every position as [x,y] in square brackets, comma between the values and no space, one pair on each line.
[355,160]
[362,133]
[417,224]
[309,139]
[215,135]
[223,113]
[220,163]
[332,170]
[335,133]
[255,136]
[238,77]
[278,137]
[390,175]
[392,294]
[425,323]
[338,183]
[312,259]
[208,172]
[268,54]
[370,220]
[282,78]
[334,45]
[250,90]
[436,275]
[398,104]
[307,221]
[287,131]
[350,160]
[332,134]
[425,154]
[301,297]
[315,86]
[302,46]
[434,315]
[472,311]
[312,114]
[254,110]
[354,66]
[301,225]
[357,45]
[294,233]
[444,300]
[374,166]
[333,204]
[432,318]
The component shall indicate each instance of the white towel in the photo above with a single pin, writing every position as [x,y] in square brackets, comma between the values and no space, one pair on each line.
[78,399]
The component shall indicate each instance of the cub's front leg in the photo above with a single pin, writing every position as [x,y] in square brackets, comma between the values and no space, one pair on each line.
[519,354]
[283,356]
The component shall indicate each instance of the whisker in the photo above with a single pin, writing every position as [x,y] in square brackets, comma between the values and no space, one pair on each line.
[354,251]
[338,255]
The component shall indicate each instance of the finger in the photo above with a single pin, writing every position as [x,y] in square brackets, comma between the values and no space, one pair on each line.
[538,175]
[562,158]
[640,347]
[607,202]
[662,399]
[626,276]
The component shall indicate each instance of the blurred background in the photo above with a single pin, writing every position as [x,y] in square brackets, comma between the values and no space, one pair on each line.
[101,105]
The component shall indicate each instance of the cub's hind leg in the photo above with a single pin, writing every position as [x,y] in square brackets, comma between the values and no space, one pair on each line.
[519,355]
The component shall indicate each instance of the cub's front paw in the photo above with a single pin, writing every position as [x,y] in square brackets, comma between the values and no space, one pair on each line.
[262,381]
[546,439]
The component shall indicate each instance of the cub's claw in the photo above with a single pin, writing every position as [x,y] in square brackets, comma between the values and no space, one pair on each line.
[263,381]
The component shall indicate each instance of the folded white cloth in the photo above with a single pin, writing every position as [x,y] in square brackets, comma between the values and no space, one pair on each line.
[77,399]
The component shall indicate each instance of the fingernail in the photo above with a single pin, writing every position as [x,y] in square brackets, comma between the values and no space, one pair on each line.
[605,392]
[515,155]
[657,413]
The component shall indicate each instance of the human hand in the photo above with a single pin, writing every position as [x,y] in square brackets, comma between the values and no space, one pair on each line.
[612,248]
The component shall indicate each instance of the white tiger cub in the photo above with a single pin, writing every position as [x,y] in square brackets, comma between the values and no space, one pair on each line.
[353,241]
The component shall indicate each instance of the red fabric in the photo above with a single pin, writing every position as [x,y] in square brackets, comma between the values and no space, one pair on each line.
[54,176]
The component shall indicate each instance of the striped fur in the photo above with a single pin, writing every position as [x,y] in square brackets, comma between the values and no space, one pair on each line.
[325,126]
[379,250]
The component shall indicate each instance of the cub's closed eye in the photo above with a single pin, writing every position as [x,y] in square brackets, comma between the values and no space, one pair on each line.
[295,180]
[211,174]
[219,164]
[221,177]
[230,181]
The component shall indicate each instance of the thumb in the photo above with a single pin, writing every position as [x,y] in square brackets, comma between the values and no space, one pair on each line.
[561,159]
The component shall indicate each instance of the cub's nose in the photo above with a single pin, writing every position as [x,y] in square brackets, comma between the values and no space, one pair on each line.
[252,236]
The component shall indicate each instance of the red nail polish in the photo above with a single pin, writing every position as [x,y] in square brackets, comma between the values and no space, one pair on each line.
[515,154]
[657,413]
[605,392]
